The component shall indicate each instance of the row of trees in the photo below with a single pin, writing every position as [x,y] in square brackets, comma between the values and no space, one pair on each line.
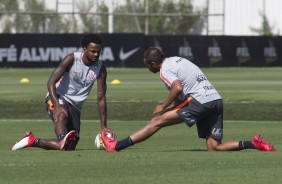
[134,16]
[131,17]
[31,19]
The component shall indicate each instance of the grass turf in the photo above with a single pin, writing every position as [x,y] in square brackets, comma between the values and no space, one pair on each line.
[248,93]
[173,155]
[252,100]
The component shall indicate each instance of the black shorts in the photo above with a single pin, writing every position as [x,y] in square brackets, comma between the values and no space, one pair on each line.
[73,114]
[208,117]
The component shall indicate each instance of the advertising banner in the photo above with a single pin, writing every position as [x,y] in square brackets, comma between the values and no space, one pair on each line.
[46,50]
[126,50]
[209,51]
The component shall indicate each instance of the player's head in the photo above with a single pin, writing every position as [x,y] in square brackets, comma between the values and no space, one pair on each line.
[92,46]
[90,38]
[153,58]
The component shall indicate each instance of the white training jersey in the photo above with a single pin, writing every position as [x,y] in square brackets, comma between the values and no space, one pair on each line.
[193,80]
[75,85]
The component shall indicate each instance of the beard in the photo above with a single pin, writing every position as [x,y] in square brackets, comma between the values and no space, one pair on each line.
[154,70]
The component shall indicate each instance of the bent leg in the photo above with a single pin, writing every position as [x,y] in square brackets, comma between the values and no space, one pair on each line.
[48,144]
[216,145]
[60,131]
[67,143]
[60,125]
[53,144]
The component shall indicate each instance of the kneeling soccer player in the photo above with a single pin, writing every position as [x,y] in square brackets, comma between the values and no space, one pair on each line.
[68,88]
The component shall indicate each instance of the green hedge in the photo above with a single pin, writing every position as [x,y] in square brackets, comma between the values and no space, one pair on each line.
[257,111]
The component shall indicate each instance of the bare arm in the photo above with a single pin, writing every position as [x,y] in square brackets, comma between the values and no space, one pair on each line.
[176,88]
[64,66]
[101,97]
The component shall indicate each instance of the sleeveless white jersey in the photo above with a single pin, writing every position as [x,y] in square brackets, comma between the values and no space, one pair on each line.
[193,80]
[75,85]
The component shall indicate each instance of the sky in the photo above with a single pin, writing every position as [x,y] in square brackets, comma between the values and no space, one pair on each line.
[243,14]
[239,15]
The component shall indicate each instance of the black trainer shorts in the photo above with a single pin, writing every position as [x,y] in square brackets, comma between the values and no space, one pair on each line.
[208,117]
[73,114]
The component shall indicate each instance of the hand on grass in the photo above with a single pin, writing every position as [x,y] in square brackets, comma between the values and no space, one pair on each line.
[111,132]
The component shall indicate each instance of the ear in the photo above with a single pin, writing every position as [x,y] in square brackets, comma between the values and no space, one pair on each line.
[154,64]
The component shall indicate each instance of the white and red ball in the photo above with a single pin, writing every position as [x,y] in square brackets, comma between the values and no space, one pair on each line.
[99,142]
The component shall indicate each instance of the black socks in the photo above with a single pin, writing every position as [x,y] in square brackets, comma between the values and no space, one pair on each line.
[61,136]
[35,143]
[246,145]
[124,144]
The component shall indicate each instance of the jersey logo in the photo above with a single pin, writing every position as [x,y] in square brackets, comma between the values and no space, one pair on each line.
[125,55]
[216,131]
[91,76]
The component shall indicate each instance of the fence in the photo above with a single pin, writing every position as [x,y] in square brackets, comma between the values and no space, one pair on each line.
[98,16]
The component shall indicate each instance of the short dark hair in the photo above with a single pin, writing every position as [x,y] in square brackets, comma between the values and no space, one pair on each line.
[88,38]
[153,54]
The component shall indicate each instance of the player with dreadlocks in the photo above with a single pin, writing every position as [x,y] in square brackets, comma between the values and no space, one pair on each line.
[68,87]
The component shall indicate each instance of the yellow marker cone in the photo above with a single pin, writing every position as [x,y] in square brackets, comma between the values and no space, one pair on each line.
[24,80]
[116,81]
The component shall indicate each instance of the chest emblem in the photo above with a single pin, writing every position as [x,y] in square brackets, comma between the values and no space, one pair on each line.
[91,76]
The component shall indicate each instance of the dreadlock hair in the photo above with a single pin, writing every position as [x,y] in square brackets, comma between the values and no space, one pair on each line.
[153,54]
[90,38]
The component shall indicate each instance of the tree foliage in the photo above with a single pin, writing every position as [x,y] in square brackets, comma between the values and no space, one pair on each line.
[10,21]
[50,22]
[90,22]
[266,29]
[129,17]
[158,21]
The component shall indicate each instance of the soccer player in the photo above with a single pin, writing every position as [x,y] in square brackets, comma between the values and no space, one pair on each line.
[68,87]
[196,103]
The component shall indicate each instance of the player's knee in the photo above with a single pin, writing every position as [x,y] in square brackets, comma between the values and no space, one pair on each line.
[152,127]
[213,145]
[157,122]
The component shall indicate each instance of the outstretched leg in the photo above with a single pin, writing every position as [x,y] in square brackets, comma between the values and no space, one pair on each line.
[158,122]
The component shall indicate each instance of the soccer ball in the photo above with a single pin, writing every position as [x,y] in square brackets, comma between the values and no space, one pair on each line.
[99,142]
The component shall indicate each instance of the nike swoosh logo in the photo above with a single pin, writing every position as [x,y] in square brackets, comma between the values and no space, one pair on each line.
[124,55]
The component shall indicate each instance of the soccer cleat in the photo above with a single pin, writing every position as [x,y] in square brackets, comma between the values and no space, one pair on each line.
[64,143]
[109,142]
[261,144]
[27,140]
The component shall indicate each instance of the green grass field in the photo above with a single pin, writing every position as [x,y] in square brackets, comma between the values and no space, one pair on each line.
[253,104]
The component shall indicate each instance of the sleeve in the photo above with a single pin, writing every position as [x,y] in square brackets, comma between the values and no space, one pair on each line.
[168,76]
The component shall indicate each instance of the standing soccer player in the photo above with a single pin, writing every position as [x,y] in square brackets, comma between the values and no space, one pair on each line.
[68,87]
[195,100]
